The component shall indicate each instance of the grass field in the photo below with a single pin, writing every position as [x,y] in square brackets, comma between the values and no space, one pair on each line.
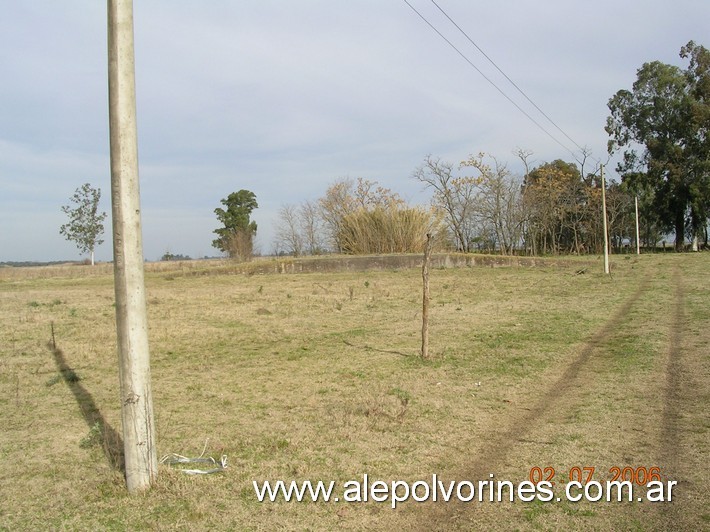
[317,377]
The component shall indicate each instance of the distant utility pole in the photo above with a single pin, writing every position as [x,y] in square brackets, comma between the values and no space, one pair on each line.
[131,320]
[606,232]
[638,243]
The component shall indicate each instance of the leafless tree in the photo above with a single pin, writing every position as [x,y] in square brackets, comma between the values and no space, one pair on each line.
[338,202]
[454,196]
[288,235]
[311,228]
[524,155]
[499,205]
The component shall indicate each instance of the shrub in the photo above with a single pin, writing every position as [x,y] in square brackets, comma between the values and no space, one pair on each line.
[393,229]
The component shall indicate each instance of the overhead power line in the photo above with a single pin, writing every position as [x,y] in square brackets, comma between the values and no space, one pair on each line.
[491,82]
[521,91]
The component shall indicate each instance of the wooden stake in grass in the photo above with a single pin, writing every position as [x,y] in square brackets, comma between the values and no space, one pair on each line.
[425,298]
[131,320]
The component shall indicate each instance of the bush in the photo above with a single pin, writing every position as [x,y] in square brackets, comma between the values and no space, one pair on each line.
[240,245]
[385,230]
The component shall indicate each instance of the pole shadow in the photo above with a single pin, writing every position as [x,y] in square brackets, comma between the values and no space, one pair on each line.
[111,441]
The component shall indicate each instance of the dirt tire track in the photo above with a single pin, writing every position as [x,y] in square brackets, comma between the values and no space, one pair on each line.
[670,434]
[672,403]
[553,399]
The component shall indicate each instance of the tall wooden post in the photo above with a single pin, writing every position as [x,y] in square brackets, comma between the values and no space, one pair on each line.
[425,297]
[606,231]
[131,319]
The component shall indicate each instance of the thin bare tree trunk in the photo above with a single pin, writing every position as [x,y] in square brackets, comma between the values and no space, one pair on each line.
[425,298]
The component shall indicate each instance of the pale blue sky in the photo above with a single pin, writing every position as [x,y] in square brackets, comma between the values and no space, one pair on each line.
[282,98]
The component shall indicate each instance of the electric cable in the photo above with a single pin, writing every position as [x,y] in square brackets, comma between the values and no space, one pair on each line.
[491,82]
[521,91]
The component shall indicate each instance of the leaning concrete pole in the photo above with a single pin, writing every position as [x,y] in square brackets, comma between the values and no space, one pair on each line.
[131,320]
[604,224]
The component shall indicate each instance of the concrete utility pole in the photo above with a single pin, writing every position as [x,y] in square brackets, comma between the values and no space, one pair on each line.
[131,319]
[606,232]
[638,241]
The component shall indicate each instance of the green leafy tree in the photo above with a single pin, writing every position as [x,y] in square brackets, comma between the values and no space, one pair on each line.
[698,77]
[662,124]
[85,225]
[236,236]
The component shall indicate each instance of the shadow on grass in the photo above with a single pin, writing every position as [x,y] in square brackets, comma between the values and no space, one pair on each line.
[369,348]
[111,441]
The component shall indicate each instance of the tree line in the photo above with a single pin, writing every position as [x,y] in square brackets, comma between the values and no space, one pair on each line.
[659,128]
[476,205]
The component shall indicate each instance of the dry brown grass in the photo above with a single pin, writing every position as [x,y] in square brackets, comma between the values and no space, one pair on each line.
[316,376]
